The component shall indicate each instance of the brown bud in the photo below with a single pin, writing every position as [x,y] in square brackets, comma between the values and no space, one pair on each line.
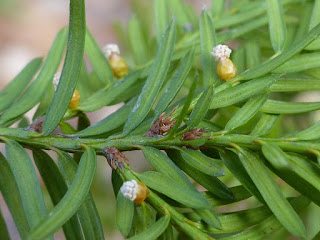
[36,125]
[193,134]
[162,125]
[115,157]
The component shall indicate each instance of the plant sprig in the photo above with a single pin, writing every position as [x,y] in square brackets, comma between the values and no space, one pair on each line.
[194,131]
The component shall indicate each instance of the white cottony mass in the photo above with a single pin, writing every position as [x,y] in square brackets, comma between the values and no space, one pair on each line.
[221,52]
[129,189]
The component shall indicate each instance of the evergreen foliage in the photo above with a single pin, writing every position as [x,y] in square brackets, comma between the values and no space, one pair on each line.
[238,140]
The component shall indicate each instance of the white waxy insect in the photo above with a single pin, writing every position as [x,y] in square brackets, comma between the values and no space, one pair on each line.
[135,191]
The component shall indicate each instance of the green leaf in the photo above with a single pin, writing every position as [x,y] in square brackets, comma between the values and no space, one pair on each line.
[311,133]
[168,234]
[239,59]
[24,122]
[207,43]
[217,7]
[84,85]
[39,86]
[97,59]
[4,234]
[192,17]
[280,107]
[185,107]
[243,19]
[261,230]
[295,85]
[201,162]
[95,83]
[304,20]
[200,109]
[316,237]
[154,231]
[210,217]
[145,218]
[253,57]
[233,164]
[314,45]
[241,92]
[307,170]
[161,17]
[104,97]
[66,128]
[291,32]
[275,156]
[299,63]
[302,176]
[109,123]
[247,112]
[14,89]
[116,181]
[277,26]
[313,73]
[57,188]
[7,132]
[225,35]
[208,125]
[124,214]
[212,184]
[191,231]
[271,193]
[265,124]
[137,41]
[27,181]
[179,13]
[195,143]
[83,122]
[275,62]
[242,30]
[176,84]
[44,103]
[164,165]
[240,220]
[239,17]
[145,16]
[154,82]
[87,212]
[132,92]
[143,127]
[71,68]
[239,192]
[11,195]
[315,19]
[174,190]
[72,200]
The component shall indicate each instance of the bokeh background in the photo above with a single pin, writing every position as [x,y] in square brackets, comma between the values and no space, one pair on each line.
[27,30]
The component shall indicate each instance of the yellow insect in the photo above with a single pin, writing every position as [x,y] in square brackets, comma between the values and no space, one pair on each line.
[75,99]
[225,68]
[117,63]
